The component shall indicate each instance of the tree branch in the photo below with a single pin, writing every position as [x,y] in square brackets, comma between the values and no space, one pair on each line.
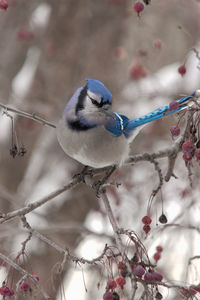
[27,115]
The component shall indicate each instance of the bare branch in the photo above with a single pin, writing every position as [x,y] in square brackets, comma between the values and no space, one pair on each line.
[27,115]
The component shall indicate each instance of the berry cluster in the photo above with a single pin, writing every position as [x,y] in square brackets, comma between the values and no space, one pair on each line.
[148,275]
[24,285]
[157,254]
[191,149]
[146,220]
[140,270]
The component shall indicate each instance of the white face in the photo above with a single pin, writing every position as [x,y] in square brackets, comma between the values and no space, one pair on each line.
[92,111]
[95,97]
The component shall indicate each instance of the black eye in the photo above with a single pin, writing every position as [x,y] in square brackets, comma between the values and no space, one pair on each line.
[94,101]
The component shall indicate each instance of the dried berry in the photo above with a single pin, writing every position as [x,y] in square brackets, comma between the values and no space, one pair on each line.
[13,151]
[134,259]
[147,1]
[182,70]
[124,272]
[175,130]
[159,248]
[138,7]
[139,271]
[115,296]
[22,151]
[163,219]
[158,296]
[121,265]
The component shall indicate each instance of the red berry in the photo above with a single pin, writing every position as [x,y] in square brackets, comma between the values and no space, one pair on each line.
[137,71]
[121,281]
[175,130]
[148,277]
[192,290]
[146,228]
[156,256]
[25,34]
[184,292]
[146,220]
[119,53]
[132,267]
[174,105]
[3,4]
[108,296]
[159,248]
[157,276]
[121,265]
[196,288]
[111,284]
[187,156]
[188,146]
[182,70]
[139,271]
[25,286]
[6,291]
[185,193]
[157,44]
[36,276]
[197,153]
[138,7]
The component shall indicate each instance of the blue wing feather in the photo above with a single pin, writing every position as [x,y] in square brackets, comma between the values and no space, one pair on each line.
[156,114]
[116,126]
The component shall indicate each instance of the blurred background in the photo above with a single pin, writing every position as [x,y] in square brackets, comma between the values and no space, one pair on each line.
[47,49]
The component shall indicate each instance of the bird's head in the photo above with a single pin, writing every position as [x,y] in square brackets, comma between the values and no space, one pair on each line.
[94,102]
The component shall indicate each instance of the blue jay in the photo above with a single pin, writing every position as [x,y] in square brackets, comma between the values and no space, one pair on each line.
[94,135]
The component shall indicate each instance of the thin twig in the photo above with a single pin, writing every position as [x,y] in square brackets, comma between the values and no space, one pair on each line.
[27,115]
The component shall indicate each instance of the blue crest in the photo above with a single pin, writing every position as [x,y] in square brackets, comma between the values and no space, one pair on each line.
[98,87]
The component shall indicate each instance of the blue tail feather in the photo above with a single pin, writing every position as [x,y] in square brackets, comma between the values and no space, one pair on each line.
[157,114]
